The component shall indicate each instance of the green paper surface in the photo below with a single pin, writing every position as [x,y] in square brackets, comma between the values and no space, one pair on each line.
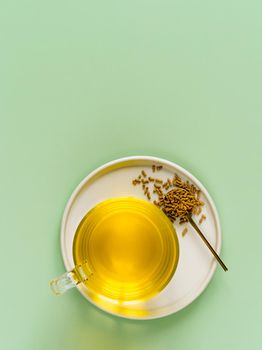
[85,82]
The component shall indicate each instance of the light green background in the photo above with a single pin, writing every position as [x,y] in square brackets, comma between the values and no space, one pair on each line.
[85,82]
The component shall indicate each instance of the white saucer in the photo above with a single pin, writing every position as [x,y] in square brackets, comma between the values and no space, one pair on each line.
[196,264]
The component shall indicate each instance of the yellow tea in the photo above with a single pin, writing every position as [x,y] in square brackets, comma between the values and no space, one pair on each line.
[130,247]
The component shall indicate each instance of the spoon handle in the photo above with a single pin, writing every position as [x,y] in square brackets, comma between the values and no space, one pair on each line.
[192,222]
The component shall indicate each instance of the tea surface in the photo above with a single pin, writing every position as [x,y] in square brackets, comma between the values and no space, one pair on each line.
[130,247]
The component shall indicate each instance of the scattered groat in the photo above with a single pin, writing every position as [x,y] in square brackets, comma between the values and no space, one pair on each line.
[144,173]
[184,232]
[158,181]
[157,186]
[144,181]
[203,217]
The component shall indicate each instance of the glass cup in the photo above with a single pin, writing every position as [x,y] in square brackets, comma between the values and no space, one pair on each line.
[125,250]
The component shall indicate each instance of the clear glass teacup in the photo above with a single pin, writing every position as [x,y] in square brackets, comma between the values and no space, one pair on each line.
[125,251]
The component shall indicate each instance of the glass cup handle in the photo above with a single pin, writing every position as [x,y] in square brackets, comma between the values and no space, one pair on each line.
[61,284]
[81,273]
